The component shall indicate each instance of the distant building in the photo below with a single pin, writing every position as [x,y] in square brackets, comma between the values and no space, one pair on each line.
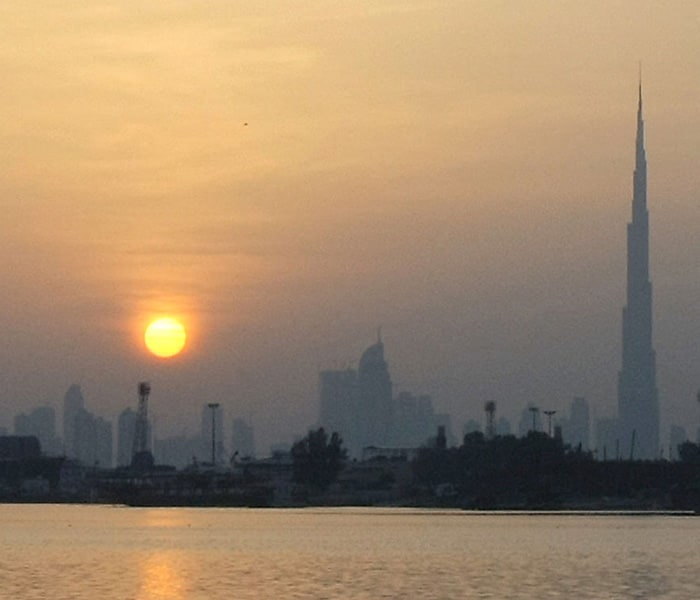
[92,439]
[503,426]
[607,445]
[40,422]
[73,403]
[178,451]
[677,436]
[359,405]
[242,439]
[126,429]
[339,410]
[576,429]
[638,396]
[413,420]
[374,396]
[471,426]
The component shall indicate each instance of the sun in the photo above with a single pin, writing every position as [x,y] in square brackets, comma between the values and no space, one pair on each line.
[165,337]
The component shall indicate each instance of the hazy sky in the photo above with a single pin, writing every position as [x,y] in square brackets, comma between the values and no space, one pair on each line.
[286,176]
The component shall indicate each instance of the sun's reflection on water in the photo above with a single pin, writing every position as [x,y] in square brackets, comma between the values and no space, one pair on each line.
[161,577]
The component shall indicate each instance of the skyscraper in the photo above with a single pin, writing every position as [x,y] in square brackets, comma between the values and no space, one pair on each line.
[73,403]
[375,396]
[358,404]
[638,402]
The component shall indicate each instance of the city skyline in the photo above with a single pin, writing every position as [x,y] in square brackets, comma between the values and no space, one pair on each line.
[457,173]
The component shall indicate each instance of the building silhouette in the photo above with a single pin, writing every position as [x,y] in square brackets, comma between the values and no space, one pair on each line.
[339,410]
[374,396]
[41,423]
[503,426]
[126,430]
[73,403]
[359,405]
[638,403]
[677,436]
[92,443]
[178,451]
[576,429]
[413,420]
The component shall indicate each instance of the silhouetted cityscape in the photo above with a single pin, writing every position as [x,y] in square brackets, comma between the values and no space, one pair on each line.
[372,420]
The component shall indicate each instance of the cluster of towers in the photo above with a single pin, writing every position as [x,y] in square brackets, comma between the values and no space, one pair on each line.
[359,403]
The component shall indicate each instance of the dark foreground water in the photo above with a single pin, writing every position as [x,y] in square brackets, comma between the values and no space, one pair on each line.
[115,553]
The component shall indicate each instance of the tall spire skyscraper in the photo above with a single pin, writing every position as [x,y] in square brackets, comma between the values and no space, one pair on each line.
[638,401]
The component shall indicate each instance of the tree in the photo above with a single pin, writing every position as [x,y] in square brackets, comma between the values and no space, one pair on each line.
[689,453]
[318,460]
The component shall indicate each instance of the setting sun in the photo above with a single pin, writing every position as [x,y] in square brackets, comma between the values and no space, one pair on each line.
[165,337]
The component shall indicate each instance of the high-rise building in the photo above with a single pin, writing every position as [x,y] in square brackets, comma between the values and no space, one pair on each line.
[375,401]
[359,404]
[93,439]
[73,403]
[126,430]
[638,402]
[413,421]
[339,410]
[178,450]
[503,426]
[41,423]
[677,436]
[576,429]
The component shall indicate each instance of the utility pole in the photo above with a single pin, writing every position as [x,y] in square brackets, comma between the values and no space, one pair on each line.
[549,414]
[490,409]
[534,410]
[213,406]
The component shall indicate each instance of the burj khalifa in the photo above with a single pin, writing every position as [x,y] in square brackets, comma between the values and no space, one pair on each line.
[638,397]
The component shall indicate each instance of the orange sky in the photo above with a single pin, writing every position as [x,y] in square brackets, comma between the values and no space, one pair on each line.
[287,177]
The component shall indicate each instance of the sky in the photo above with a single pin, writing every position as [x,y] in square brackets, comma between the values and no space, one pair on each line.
[286,177]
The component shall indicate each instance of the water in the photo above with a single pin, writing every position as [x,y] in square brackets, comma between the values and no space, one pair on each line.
[116,553]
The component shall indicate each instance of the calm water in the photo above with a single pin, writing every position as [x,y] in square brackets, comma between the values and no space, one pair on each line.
[114,553]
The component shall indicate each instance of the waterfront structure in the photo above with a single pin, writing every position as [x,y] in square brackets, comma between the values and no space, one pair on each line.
[638,403]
